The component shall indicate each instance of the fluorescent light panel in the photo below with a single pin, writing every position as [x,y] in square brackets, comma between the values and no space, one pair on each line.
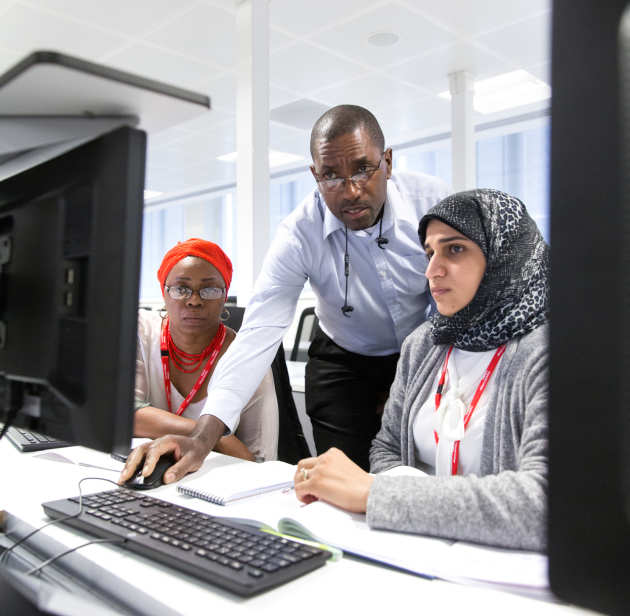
[505,91]
[276,159]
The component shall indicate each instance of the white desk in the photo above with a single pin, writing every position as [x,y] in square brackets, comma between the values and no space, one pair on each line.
[346,587]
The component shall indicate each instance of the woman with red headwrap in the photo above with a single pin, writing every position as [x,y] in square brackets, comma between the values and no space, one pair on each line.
[177,354]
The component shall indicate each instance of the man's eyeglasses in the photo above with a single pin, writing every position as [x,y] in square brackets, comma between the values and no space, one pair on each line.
[181,292]
[359,179]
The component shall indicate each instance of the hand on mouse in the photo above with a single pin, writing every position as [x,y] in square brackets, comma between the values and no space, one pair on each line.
[189,451]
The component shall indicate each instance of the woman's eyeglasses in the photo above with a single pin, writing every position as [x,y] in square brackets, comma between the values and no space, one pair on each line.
[182,292]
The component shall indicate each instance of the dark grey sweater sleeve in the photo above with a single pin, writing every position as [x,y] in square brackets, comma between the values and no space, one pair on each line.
[506,504]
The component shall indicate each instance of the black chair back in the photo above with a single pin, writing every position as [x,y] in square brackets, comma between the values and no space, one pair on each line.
[292,445]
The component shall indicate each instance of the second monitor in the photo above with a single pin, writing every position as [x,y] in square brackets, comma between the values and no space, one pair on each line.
[70,245]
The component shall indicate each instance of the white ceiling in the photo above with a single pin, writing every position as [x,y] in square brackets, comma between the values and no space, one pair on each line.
[319,52]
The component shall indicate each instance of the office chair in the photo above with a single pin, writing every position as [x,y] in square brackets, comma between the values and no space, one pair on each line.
[292,445]
[307,325]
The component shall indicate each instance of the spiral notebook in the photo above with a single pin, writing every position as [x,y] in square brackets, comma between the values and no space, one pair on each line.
[233,482]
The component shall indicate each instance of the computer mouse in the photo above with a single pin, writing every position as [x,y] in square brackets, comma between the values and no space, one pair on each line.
[156,478]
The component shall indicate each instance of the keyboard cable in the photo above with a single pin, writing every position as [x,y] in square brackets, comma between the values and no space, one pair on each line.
[4,556]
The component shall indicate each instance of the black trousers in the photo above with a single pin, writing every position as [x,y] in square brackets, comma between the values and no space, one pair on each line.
[345,394]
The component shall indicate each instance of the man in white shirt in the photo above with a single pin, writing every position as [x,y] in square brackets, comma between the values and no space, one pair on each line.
[355,239]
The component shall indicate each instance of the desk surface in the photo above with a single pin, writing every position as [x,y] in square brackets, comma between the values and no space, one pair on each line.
[348,586]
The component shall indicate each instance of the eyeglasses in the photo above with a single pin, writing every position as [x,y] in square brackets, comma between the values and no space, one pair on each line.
[181,292]
[359,179]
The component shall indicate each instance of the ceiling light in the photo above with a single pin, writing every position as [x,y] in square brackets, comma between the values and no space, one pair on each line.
[276,159]
[383,39]
[505,91]
[150,194]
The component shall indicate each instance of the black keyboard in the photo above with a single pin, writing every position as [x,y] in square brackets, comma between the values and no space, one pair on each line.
[230,555]
[28,440]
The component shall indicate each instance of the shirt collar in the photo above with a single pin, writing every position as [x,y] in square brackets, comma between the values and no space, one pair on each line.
[332,223]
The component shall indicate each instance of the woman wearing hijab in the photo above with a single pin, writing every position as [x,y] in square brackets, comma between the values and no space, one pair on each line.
[178,352]
[469,402]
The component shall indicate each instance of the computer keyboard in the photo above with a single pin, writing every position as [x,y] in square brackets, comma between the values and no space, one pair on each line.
[233,556]
[29,440]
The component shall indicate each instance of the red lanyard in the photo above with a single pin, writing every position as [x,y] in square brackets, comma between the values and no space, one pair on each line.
[215,347]
[473,404]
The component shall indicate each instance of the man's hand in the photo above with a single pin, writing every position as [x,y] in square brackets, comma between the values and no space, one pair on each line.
[189,451]
[334,478]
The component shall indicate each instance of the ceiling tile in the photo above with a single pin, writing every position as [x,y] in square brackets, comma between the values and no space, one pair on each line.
[300,114]
[304,68]
[300,19]
[222,93]
[405,121]
[206,33]
[24,29]
[131,18]
[162,65]
[197,147]
[370,91]
[207,121]
[473,18]
[164,138]
[209,34]
[279,40]
[221,90]
[228,5]
[288,139]
[207,174]
[522,44]
[416,35]
[279,96]
[431,70]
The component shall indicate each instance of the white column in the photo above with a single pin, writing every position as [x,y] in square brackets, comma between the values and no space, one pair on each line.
[252,141]
[462,131]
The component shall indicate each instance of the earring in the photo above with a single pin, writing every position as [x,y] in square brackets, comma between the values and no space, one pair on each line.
[225,315]
[163,313]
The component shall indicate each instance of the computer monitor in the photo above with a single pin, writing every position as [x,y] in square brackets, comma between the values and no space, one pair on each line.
[589,511]
[70,245]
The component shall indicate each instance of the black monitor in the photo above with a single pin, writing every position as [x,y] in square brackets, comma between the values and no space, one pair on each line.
[589,514]
[70,245]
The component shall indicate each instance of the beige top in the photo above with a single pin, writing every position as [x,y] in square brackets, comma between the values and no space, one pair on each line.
[258,425]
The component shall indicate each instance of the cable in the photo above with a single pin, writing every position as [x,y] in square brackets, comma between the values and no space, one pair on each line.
[5,554]
[346,309]
[380,240]
[52,559]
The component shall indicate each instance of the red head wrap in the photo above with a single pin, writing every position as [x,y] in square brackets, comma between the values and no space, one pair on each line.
[195,247]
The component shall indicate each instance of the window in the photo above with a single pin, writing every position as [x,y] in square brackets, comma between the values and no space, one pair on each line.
[210,217]
[433,158]
[518,163]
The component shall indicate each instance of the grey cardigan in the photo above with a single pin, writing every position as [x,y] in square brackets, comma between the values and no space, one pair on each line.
[506,504]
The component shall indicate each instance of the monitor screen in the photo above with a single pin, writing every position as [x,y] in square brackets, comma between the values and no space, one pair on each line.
[70,244]
[589,508]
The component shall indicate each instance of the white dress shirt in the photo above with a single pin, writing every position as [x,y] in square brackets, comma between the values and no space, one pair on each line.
[386,287]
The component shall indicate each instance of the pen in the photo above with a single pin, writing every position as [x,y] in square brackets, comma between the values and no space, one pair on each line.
[335,553]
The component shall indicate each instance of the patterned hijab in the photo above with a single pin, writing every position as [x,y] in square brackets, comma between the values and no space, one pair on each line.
[513,296]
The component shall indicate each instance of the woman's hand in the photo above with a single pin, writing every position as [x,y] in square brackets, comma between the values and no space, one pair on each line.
[189,451]
[334,478]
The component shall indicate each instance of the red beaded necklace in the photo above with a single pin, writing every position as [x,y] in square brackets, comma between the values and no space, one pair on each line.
[187,362]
